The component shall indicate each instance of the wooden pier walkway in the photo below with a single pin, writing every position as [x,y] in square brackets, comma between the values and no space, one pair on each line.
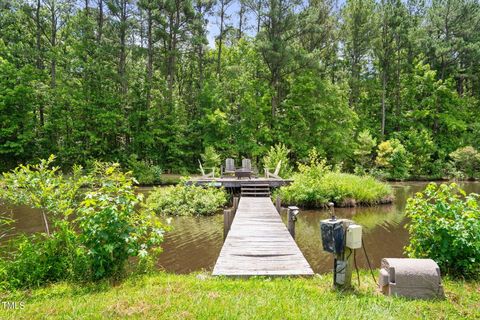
[259,243]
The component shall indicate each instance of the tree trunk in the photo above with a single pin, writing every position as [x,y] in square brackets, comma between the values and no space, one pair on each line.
[241,14]
[45,221]
[123,58]
[172,42]
[150,56]
[220,36]
[53,43]
[100,20]
[384,87]
[39,54]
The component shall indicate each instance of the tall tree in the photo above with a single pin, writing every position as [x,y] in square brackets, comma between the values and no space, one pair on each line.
[358,30]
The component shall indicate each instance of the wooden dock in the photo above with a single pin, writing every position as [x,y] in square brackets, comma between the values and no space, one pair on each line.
[232,182]
[258,243]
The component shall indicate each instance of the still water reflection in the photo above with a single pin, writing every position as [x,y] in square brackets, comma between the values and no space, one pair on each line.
[195,242]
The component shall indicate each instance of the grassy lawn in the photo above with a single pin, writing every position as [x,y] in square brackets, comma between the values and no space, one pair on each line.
[199,296]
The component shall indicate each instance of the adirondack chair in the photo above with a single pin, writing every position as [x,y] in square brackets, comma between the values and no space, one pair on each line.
[204,175]
[229,166]
[275,175]
[247,165]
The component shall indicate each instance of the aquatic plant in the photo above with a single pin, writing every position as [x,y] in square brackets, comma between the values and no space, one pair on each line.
[316,184]
[185,200]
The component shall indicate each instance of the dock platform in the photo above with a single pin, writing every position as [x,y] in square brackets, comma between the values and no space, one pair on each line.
[259,244]
[232,182]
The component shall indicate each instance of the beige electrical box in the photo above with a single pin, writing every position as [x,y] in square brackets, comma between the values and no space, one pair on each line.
[354,236]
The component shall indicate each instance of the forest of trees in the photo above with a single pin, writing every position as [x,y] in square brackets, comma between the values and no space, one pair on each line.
[121,79]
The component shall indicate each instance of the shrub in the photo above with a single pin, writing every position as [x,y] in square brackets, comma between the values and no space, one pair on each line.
[39,259]
[419,143]
[393,159]
[185,200]
[5,227]
[108,227]
[112,230]
[211,159]
[143,171]
[277,153]
[44,187]
[364,152]
[445,226]
[316,184]
[467,162]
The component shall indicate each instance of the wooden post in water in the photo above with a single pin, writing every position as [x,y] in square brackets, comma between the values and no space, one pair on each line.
[292,217]
[278,204]
[235,204]
[227,221]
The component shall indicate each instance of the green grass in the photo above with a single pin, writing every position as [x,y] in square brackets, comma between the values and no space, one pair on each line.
[199,296]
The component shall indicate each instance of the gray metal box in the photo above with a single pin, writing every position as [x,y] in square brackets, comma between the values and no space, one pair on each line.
[333,235]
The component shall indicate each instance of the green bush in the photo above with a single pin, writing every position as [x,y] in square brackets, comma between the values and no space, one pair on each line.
[44,187]
[467,162]
[39,259]
[420,148]
[364,152]
[211,160]
[143,171]
[277,153]
[316,184]
[112,230]
[186,200]
[445,226]
[393,159]
[5,227]
[108,227]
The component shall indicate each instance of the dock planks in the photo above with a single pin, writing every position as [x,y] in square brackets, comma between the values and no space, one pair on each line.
[258,243]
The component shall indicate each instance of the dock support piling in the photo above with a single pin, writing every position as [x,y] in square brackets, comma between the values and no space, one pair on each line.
[227,221]
[278,204]
[292,217]
[235,204]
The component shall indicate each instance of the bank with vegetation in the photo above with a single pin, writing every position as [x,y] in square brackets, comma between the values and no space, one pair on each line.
[96,255]
[316,184]
[186,199]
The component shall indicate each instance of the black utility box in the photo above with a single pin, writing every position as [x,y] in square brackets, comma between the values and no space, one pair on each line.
[333,235]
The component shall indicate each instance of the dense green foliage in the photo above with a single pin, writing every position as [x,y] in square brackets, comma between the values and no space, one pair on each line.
[112,228]
[144,172]
[200,296]
[316,184]
[393,159]
[93,224]
[185,200]
[278,154]
[466,162]
[149,84]
[445,226]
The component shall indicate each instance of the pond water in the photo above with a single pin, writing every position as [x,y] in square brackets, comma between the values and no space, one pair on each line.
[195,242]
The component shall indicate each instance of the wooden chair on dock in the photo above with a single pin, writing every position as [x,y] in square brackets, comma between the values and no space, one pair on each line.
[247,165]
[276,173]
[229,167]
[206,175]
